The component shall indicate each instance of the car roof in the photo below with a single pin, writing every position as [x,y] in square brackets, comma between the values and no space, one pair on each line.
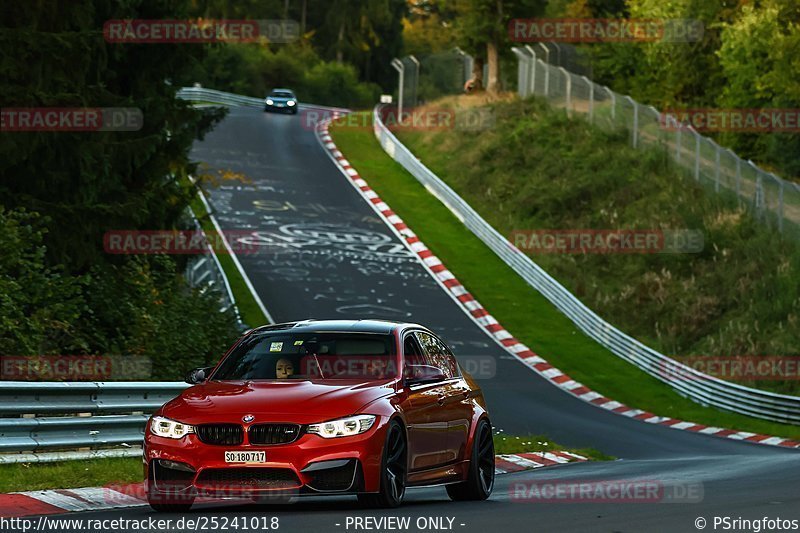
[350,326]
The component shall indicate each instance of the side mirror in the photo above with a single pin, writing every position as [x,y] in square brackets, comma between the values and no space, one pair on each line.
[198,375]
[423,374]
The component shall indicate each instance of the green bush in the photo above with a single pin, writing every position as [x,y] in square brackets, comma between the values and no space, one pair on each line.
[254,69]
[140,306]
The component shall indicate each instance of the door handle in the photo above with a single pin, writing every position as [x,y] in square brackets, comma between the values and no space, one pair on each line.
[442,399]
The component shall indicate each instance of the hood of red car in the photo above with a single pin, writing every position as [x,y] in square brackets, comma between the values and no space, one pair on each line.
[289,400]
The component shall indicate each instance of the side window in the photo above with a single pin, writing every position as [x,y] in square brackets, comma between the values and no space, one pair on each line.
[438,354]
[412,353]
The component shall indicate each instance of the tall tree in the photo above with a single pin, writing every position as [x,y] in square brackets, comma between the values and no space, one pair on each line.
[482,30]
[760,58]
[55,55]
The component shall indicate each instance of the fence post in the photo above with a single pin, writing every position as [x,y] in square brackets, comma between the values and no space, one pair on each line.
[569,89]
[613,103]
[780,201]
[558,53]
[533,67]
[400,68]
[522,74]
[591,98]
[678,143]
[466,64]
[696,156]
[546,70]
[759,194]
[739,178]
[635,138]
[416,79]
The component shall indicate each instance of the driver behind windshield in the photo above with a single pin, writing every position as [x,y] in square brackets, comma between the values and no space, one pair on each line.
[312,355]
[283,368]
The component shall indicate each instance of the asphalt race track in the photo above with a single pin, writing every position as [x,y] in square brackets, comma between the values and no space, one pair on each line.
[324,253]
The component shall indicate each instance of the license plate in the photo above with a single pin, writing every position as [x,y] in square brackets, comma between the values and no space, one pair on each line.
[245,457]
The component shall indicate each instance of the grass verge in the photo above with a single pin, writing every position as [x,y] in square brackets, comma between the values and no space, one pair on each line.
[504,444]
[520,308]
[70,474]
[249,309]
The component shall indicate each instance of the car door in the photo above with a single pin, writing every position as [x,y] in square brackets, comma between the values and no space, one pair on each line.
[427,424]
[453,402]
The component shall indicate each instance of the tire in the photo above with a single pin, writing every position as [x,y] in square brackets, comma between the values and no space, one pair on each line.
[480,477]
[394,469]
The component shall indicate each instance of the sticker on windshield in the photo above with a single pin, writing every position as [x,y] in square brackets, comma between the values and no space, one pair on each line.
[276,347]
[298,343]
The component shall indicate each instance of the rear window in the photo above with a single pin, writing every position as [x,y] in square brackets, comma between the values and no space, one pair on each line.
[318,356]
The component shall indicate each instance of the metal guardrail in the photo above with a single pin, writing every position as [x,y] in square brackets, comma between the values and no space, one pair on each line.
[200,94]
[702,388]
[41,417]
[205,272]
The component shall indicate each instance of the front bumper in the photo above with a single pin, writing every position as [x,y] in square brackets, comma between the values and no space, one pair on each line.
[310,464]
[280,107]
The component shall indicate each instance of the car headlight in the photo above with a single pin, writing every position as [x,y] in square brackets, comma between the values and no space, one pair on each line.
[269,101]
[343,427]
[171,429]
[290,103]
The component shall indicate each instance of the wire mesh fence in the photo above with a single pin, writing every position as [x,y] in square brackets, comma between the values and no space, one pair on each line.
[546,70]
[429,77]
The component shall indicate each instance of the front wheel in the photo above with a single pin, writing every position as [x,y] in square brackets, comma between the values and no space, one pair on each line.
[394,465]
[480,478]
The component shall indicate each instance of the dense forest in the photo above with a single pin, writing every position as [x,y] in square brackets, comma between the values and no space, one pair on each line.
[61,294]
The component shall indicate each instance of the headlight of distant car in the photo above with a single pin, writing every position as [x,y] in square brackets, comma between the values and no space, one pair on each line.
[269,101]
[343,427]
[291,103]
[171,429]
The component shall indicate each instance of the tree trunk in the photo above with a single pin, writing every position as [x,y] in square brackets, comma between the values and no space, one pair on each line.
[303,11]
[340,41]
[493,83]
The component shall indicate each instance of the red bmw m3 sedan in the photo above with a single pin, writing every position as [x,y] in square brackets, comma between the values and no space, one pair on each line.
[359,407]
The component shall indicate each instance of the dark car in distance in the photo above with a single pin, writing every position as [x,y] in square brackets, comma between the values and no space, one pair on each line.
[281,100]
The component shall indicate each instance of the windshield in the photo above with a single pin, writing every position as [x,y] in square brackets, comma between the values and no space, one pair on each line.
[293,356]
[281,94]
